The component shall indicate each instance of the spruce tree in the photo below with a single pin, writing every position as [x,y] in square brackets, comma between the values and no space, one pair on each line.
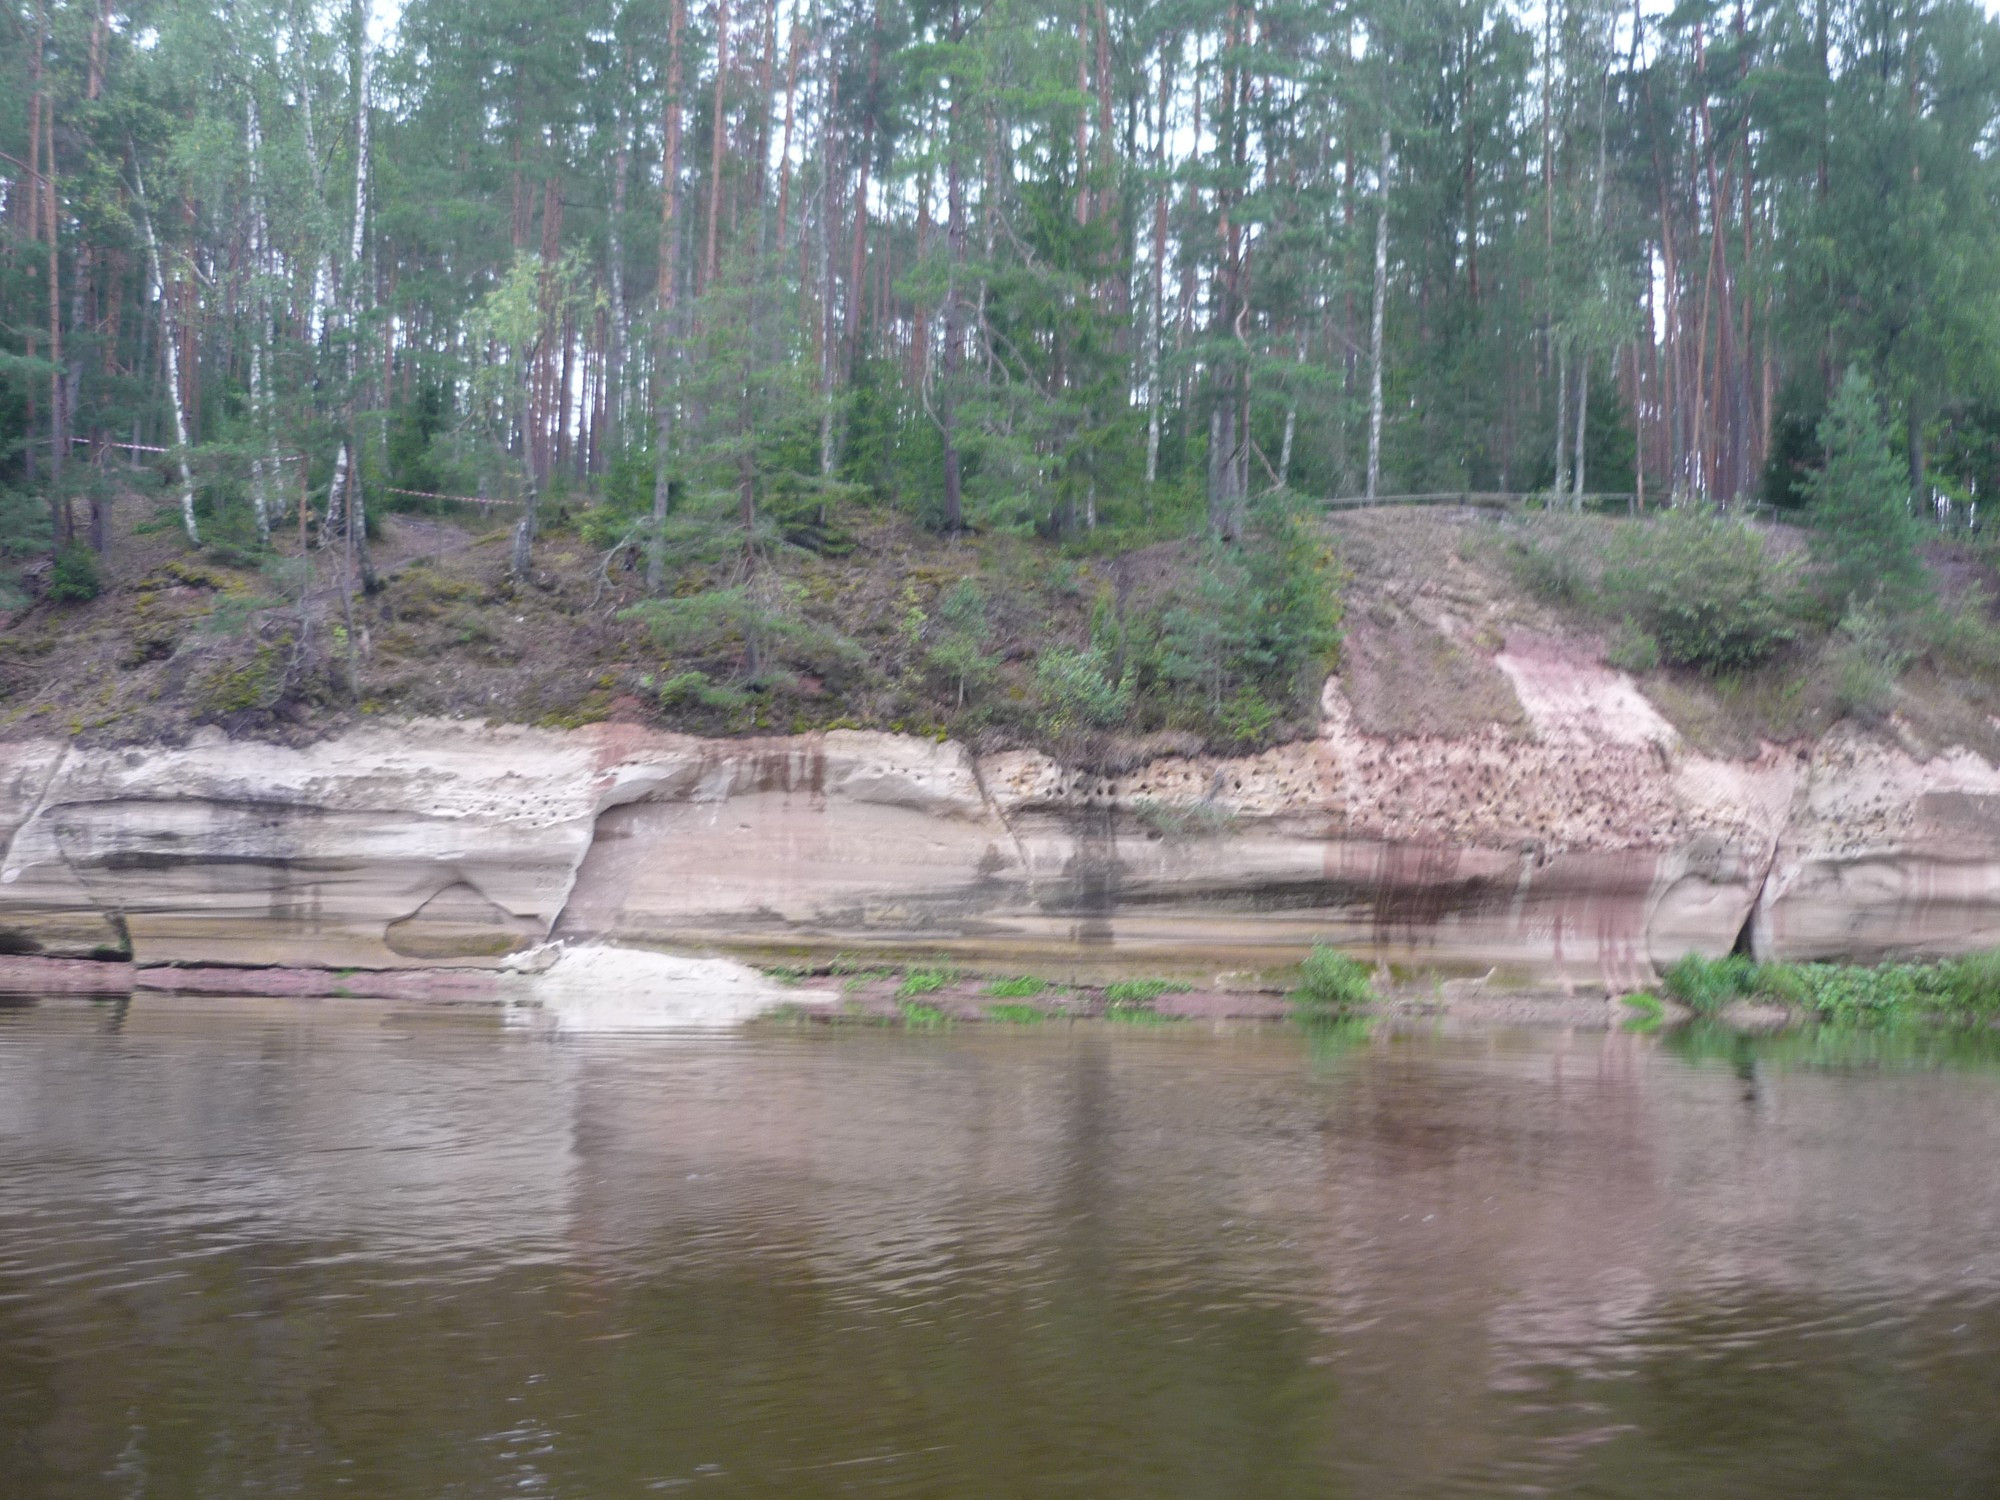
[1864,536]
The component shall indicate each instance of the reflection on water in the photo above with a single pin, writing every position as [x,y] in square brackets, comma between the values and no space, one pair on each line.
[276,1248]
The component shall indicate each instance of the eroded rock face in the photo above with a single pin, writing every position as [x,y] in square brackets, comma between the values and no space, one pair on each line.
[1588,850]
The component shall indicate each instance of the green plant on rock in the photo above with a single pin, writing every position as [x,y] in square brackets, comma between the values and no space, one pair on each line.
[1130,994]
[1647,1012]
[1706,985]
[924,982]
[1015,1014]
[1331,985]
[1021,987]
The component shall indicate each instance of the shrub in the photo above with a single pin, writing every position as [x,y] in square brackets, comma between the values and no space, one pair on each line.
[74,578]
[956,641]
[1864,538]
[1703,587]
[1247,636]
[1559,560]
[1867,659]
[1076,691]
[1964,990]
[760,620]
[1331,984]
[1631,649]
[1706,985]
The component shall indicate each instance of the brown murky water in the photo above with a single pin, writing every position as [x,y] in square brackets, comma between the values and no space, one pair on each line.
[282,1249]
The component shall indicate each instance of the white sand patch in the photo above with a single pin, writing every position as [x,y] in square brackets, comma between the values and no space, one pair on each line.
[593,987]
[1571,699]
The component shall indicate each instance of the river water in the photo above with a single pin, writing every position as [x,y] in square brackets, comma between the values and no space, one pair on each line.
[280,1248]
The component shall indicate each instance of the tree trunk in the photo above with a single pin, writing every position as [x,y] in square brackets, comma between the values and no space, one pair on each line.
[612,391]
[715,145]
[1155,328]
[170,343]
[1375,331]
[663,305]
[954,502]
[868,122]
[1562,419]
[1582,413]
[358,285]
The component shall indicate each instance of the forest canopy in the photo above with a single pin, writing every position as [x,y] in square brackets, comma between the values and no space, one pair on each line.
[1010,266]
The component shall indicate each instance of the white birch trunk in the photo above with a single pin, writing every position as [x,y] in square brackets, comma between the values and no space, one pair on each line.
[169,337]
[1375,333]
[1582,412]
[260,255]
[1562,418]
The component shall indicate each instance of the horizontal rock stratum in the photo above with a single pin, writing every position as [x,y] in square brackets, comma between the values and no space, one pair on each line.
[1589,851]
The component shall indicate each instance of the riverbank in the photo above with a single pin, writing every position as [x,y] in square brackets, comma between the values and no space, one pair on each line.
[1730,994]
[1484,795]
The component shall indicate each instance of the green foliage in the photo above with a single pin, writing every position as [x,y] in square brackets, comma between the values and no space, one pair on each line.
[924,1018]
[955,642]
[413,428]
[24,531]
[1868,657]
[74,578]
[1331,985]
[1021,987]
[762,625]
[1015,1015]
[924,982]
[1963,991]
[248,686]
[1631,649]
[1076,691]
[1706,985]
[683,689]
[1245,641]
[1647,1012]
[1703,586]
[1125,993]
[1864,537]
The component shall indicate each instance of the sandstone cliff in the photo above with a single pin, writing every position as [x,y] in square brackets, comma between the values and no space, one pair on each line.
[1585,847]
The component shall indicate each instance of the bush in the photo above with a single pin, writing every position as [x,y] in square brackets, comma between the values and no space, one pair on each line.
[956,639]
[1632,649]
[1865,538]
[1076,691]
[74,578]
[1331,984]
[1248,635]
[759,624]
[1867,659]
[1706,985]
[1558,561]
[1963,991]
[1703,587]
